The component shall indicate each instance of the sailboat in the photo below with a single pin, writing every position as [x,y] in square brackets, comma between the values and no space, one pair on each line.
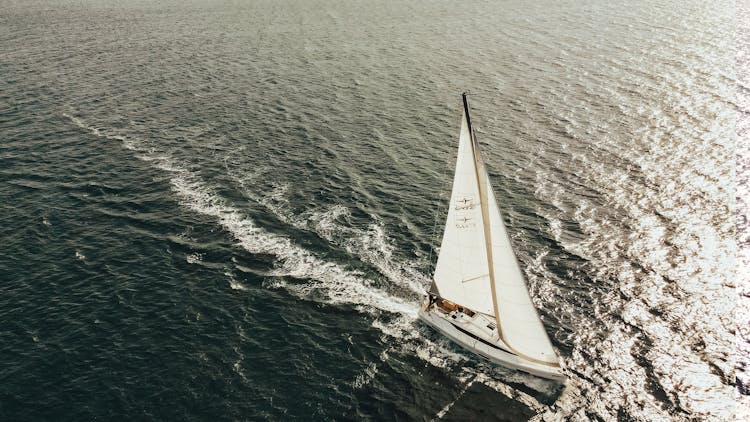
[478,297]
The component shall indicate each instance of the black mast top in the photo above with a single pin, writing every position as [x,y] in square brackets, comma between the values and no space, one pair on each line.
[466,110]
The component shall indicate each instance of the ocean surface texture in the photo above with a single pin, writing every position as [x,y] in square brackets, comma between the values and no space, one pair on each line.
[742,209]
[230,210]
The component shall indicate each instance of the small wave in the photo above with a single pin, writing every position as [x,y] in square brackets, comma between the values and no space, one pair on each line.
[233,283]
[194,258]
[366,376]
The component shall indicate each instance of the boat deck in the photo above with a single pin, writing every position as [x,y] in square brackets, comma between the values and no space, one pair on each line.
[477,333]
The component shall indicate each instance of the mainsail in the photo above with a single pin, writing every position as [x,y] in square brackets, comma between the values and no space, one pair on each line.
[462,272]
[490,283]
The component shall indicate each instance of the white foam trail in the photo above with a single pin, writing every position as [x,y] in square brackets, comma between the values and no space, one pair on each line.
[338,285]
[372,246]
[127,143]
[81,124]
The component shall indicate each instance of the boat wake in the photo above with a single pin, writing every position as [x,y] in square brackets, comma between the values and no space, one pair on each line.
[372,246]
[335,283]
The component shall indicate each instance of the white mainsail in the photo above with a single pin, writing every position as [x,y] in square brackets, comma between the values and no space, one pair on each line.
[462,273]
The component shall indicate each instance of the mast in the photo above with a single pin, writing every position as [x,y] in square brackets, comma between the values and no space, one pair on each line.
[478,165]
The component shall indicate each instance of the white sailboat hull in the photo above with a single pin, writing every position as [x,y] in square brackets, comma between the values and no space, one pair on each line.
[482,343]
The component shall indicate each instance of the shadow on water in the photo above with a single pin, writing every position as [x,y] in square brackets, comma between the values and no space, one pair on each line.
[480,402]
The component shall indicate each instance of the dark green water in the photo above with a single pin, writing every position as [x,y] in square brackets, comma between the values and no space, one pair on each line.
[229,210]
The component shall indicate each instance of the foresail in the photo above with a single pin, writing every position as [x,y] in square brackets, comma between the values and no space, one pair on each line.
[520,325]
[461,273]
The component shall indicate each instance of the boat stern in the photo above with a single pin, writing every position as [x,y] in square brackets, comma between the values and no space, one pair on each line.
[456,328]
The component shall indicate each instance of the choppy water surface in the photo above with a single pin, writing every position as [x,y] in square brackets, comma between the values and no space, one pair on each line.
[742,196]
[228,210]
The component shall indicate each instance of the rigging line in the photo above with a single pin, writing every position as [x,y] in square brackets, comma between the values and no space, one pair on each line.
[475,278]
